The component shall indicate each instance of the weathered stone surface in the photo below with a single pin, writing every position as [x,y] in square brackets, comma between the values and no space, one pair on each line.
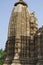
[24,45]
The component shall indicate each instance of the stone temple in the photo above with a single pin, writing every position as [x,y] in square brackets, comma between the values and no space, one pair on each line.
[24,44]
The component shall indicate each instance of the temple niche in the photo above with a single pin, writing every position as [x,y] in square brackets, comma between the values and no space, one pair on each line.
[24,45]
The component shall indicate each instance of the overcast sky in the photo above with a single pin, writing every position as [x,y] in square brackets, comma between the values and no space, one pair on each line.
[6,7]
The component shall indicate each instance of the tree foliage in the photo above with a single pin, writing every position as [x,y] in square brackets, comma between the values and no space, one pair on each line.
[2,53]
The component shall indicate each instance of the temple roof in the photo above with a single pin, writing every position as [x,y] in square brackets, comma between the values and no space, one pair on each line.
[41,29]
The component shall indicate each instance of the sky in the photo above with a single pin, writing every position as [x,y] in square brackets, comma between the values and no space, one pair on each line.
[6,7]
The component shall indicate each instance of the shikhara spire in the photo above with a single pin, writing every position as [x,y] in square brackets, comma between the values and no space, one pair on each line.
[24,44]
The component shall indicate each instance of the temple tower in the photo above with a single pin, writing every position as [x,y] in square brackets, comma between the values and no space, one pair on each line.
[22,27]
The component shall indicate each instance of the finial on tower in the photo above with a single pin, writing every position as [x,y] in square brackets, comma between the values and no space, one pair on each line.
[20,0]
